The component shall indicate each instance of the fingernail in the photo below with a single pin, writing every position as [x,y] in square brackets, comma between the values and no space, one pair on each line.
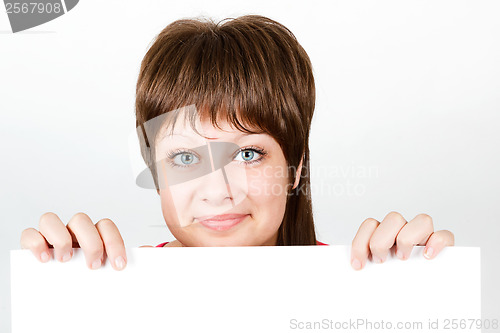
[356,264]
[66,257]
[120,262]
[428,252]
[96,264]
[377,260]
[44,257]
[399,254]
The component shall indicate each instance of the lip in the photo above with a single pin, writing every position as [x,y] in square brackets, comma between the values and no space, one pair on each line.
[221,222]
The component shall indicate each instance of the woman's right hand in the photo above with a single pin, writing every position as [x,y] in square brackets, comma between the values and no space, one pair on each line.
[96,241]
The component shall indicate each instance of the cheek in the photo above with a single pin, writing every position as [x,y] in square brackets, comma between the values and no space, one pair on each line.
[267,189]
[173,204]
[176,203]
[168,208]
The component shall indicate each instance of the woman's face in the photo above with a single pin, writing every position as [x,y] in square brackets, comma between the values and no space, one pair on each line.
[227,190]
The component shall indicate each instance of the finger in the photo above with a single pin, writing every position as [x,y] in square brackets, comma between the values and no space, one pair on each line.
[360,249]
[437,241]
[414,232]
[33,240]
[385,235]
[83,229]
[57,235]
[113,243]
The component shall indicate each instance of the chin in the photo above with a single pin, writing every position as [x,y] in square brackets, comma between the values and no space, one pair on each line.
[204,240]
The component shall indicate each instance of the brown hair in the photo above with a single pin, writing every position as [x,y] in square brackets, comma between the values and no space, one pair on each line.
[250,71]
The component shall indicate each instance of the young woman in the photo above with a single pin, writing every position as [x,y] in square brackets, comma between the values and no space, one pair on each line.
[223,112]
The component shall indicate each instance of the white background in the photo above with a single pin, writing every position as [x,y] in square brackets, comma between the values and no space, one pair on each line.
[409,89]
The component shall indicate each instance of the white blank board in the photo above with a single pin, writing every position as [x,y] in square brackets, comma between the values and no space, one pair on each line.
[245,289]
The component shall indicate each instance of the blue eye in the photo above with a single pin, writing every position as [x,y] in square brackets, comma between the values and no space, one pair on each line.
[248,156]
[184,159]
[181,158]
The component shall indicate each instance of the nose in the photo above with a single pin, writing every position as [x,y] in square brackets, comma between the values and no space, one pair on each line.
[215,188]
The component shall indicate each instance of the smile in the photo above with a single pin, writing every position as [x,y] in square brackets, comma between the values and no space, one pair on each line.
[221,222]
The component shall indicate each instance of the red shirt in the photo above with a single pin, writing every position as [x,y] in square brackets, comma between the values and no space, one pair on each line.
[163,244]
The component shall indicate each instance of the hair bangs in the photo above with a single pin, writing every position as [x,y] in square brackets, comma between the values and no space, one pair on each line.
[226,76]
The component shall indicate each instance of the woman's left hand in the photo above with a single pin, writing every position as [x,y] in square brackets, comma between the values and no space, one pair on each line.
[377,238]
